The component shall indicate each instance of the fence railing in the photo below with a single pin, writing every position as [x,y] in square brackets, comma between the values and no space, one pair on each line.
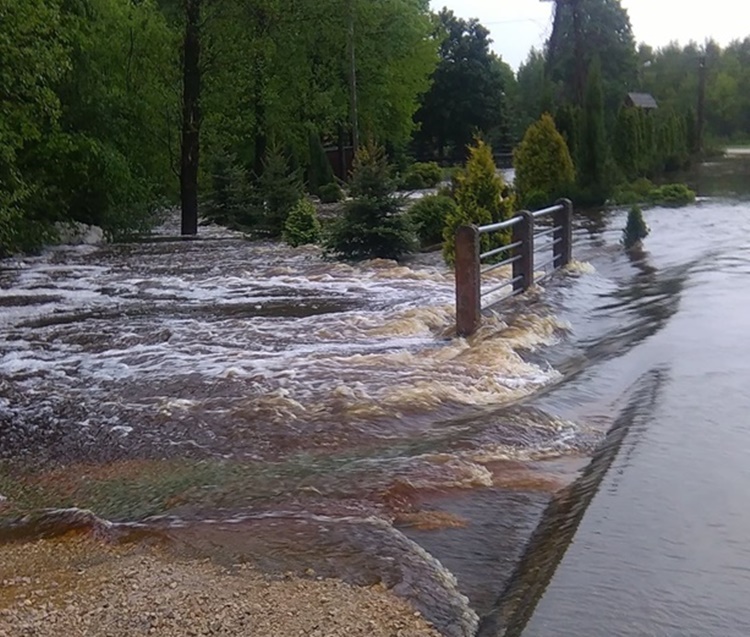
[520,253]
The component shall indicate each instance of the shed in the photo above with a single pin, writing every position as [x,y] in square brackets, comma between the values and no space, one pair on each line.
[641,100]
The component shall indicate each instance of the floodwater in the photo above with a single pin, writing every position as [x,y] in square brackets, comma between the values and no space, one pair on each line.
[253,401]
[654,539]
[575,468]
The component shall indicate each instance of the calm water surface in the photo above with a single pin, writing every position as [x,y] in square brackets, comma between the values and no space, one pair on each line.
[664,546]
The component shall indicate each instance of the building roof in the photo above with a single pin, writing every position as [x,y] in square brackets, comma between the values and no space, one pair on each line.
[642,100]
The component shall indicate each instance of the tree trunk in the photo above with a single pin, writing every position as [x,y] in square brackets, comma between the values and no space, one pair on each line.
[191,118]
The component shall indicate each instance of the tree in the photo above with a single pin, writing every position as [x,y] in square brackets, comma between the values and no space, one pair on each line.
[605,32]
[534,90]
[544,168]
[594,167]
[34,58]
[372,225]
[627,142]
[479,193]
[467,94]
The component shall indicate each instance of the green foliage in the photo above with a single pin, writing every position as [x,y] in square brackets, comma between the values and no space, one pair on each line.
[429,217]
[479,182]
[430,172]
[280,189]
[467,214]
[302,225]
[567,121]
[230,201]
[447,119]
[636,229]
[544,168]
[643,191]
[478,191]
[594,163]
[671,74]
[605,33]
[372,225]
[421,175]
[628,144]
[672,195]
[330,193]
[319,173]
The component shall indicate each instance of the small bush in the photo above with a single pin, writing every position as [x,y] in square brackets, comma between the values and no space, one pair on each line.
[412,181]
[672,195]
[429,216]
[636,229]
[302,225]
[372,225]
[330,193]
[643,191]
[422,175]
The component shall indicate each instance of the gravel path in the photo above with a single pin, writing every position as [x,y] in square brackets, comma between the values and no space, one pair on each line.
[80,587]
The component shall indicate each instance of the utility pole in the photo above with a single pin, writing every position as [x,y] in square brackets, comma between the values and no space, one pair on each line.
[701,101]
[353,80]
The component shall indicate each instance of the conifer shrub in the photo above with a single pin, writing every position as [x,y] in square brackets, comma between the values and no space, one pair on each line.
[544,168]
[302,225]
[229,202]
[330,193]
[478,191]
[280,189]
[429,216]
[372,224]
[636,229]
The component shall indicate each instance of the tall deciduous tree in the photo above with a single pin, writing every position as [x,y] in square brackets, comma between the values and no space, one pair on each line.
[467,93]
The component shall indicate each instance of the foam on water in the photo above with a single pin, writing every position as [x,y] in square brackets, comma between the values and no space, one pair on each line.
[250,332]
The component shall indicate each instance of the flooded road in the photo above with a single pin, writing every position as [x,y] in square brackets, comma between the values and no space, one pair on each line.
[662,548]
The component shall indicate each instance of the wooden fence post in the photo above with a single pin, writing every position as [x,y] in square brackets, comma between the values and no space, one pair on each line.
[562,250]
[524,267]
[468,281]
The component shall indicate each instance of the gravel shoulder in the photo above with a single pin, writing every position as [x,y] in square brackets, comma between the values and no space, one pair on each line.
[82,587]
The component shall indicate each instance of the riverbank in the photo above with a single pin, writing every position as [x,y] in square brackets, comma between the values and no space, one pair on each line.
[78,586]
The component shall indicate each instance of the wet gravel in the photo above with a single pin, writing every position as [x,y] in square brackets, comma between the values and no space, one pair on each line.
[80,587]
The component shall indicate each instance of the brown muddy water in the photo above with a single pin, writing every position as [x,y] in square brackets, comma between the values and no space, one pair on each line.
[254,402]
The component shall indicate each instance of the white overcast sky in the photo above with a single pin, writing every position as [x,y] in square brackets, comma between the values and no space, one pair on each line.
[517,25]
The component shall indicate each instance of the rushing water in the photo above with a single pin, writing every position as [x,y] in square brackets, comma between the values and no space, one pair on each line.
[308,414]
[251,401]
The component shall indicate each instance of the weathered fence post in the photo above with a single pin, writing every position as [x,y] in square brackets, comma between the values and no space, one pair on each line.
[562,250]
[523,232]
[468,282]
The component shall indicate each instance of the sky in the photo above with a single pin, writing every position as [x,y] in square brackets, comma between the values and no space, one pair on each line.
[517,25]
